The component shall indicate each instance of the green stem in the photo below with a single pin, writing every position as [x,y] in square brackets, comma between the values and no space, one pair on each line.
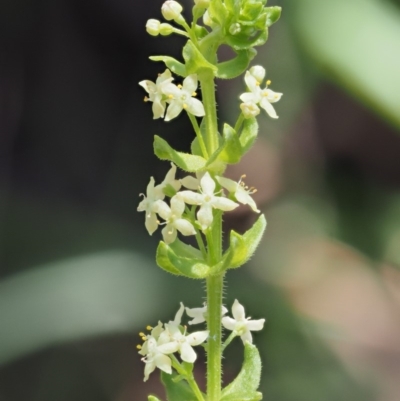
[210,106]
[228,340]
[198,134]
[239,123]
[214,309]
[201,245]
[180,32]
[189,378]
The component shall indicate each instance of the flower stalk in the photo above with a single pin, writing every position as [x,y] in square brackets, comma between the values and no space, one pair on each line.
[197,202]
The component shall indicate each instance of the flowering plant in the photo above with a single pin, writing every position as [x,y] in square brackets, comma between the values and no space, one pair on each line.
[197,202]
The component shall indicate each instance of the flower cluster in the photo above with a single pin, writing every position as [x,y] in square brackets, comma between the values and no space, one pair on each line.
[179,97]
[201,192]
[166,339]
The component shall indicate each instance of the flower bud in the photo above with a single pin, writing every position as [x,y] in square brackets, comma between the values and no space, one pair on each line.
[249,110]
[258,73]
[235,28]
[166,29]
[153,27]
[171,10]
[207,20]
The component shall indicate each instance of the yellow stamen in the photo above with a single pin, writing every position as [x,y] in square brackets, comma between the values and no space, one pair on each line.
[144,338]
[268,82]
[146,99]
[149,328]
[139,346]
[141,334]
[179,86]
[184,106]
[170,96]
[194,94]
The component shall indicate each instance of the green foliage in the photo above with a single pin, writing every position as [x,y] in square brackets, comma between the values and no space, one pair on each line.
[185,161]
[195,61]
[177,390]
[243,246]
[245,385]
[174,65]
[181,259]
[236,66]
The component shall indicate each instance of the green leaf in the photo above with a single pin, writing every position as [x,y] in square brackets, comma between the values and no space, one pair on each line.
[218,12]
[179,391]
[185,161]
[356,43]
[235,67]
[273,15]
[231,151]
[249,134]
[195,61]
[153,398]
[244,246]
[174,65]
[245,386]
[243,41]
[169,258]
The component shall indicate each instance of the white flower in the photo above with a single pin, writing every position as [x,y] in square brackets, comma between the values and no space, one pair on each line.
[184,343]
[180,98]
[155,92]
[199,314]
[240,324]
[153,194]
[154,358]
[171,10]
[207,201]
[258,96]
[240,191]
[173,217]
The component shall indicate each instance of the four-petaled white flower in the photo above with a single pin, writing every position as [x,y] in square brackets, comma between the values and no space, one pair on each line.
[173,218]
[170,180]
[240,324]
[240,191]
[153,194]
[258,96]
[155,90]
[207,201]
[181,97]
[199,314]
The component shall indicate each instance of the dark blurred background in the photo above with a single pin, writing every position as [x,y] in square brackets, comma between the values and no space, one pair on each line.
[78,277]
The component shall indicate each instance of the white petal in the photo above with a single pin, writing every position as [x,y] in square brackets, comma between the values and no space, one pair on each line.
[258,72]
[192,198]
[184,227]
[173,110]
[169,234]
[249,97]
[251,82]
[148,86]
[187,353]
[190,182]
[151,222]
[218,202]
[238,311]
[229,323]
[267,106]
[177,205]
[230,185]
[163,362]
[246,336]
[148,369]
[190,84]
[205,216]
[177,319]
[162,209]
[197,338]
[255,325]
[197,314]
[207,184]
[158,109]
[168,348]
[195,107]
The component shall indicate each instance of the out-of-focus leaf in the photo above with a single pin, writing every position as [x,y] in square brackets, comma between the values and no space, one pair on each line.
[358,42]
[86,296]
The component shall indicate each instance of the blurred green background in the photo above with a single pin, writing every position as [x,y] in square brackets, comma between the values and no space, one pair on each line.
[78,277]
